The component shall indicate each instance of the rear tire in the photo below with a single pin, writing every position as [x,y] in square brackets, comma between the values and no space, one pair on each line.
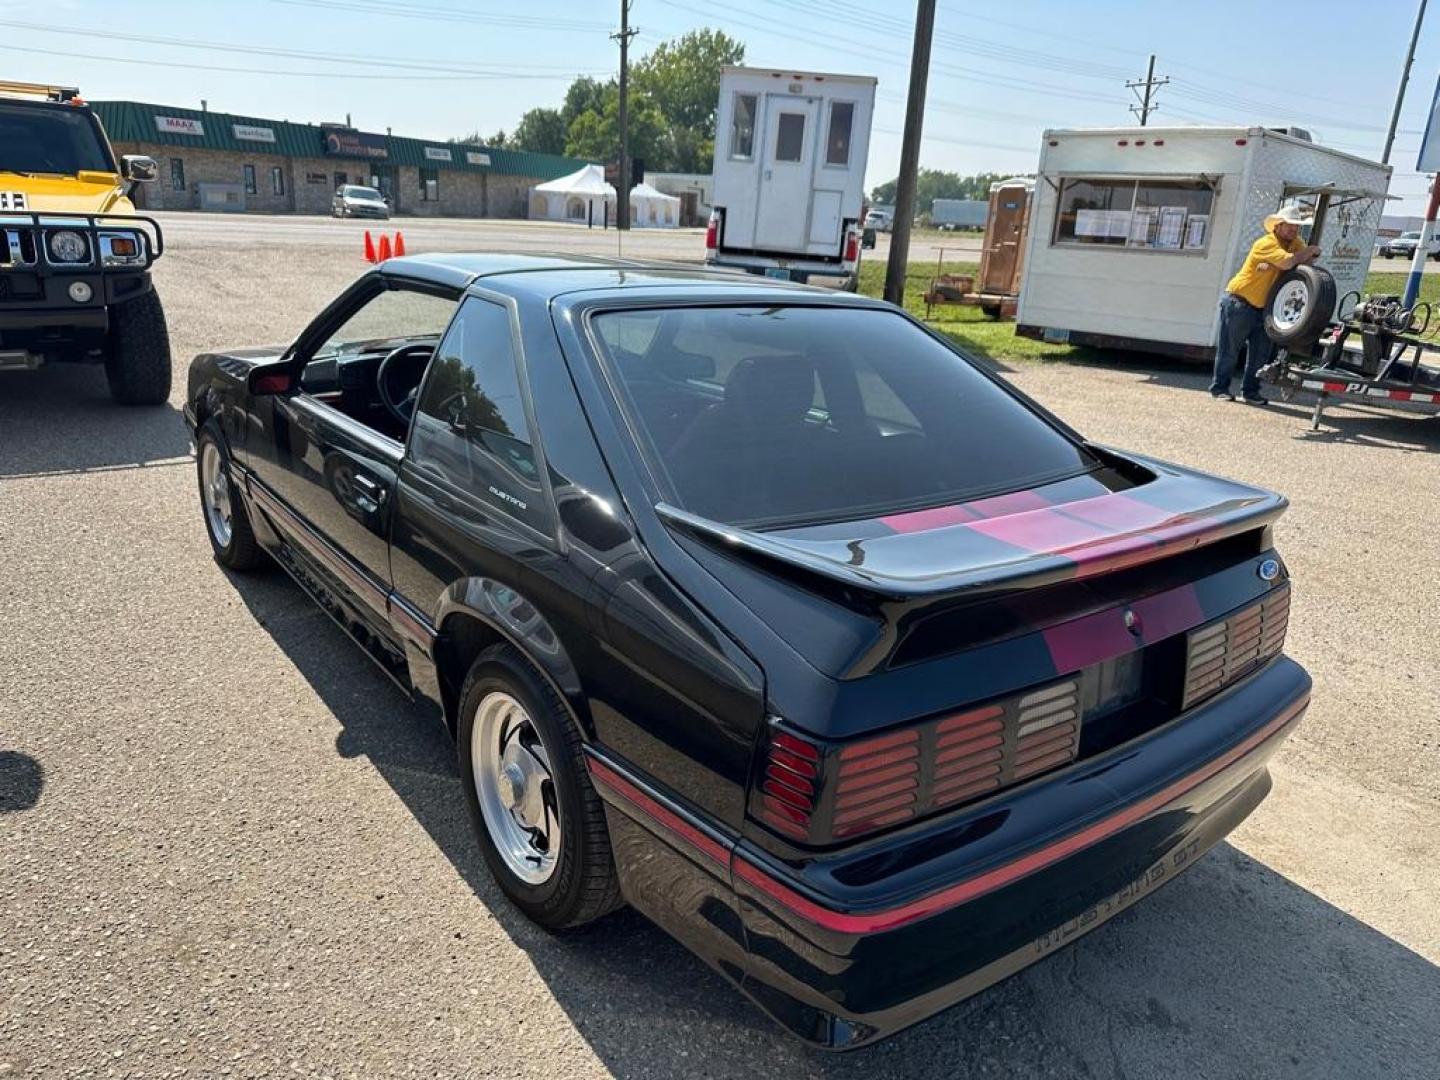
[1300,306]
[137,359]
[573,882]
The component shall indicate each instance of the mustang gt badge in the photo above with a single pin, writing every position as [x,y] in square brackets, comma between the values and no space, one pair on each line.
[12,200]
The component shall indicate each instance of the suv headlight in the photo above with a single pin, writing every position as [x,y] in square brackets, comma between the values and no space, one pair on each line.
[122,248]
[68,246]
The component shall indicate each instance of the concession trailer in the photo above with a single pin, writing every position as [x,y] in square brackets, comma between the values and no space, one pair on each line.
[1135,231]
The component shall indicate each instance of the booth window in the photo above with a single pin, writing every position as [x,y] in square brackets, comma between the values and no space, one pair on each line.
[837,144]
[742,127]
[790,137]
[1141,214]
[429,185]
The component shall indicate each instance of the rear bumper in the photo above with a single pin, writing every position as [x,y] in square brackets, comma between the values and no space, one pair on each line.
[846,949]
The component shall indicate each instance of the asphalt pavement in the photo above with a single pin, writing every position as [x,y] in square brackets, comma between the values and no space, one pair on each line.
[229,847]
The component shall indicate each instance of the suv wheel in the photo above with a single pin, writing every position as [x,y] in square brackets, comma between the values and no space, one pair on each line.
[137,360]
[226,522]
[540,824]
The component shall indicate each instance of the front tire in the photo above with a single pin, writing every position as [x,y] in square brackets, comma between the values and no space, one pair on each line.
[226,522]
[540,824]
[137,360]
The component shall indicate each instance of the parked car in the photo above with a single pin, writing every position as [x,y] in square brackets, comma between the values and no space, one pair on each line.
[352,200]
[75,258]
[1403,246]
[879,220]
[765,610]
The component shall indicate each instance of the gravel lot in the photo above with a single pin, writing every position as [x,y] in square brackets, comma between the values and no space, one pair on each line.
[228,847]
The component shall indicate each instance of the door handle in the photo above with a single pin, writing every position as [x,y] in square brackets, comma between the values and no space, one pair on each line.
[374,490]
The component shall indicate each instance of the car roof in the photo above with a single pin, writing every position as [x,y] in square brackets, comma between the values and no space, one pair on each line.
[549,276]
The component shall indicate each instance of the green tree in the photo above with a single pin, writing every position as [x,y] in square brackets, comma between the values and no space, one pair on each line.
[540,130]
[932,184]
[683,78]
[584,95]
[595,133]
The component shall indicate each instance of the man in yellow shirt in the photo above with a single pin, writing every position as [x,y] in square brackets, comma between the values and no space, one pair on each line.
[1242,315]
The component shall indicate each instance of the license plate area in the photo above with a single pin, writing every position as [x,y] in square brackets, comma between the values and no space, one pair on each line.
[1128,695]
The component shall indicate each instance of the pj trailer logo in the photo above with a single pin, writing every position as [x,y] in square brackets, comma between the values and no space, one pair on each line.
[12,200]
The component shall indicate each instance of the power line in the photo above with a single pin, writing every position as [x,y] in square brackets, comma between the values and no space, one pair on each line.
[443,14]
[365,75]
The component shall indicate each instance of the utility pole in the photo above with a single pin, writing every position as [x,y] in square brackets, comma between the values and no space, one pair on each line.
[1150,84]
[1404,78]
[910,154]
[622,196]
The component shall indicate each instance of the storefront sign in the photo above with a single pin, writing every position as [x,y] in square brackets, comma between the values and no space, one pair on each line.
[253,134]
[346,142]
[179,125]
[475,157]
[435,153]
[314,178]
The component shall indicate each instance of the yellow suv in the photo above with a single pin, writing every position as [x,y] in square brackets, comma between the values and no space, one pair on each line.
[74,257]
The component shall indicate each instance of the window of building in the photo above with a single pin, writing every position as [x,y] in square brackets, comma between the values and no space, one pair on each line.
[429,185]
[470,424]
[177,174]
[790,137]
[837,144]
[1141,214]
[742,127]
[341,179]
[249,179]
[277,180]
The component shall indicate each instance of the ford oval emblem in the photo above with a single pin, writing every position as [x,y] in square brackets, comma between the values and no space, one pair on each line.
[1269,569]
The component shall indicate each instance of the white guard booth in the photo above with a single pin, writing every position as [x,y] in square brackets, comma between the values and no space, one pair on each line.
[651,208]
[1135,231]
[582,197]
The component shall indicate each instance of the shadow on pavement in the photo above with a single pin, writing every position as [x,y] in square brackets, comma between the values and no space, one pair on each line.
[1234,971]
[61,419]
[22,778]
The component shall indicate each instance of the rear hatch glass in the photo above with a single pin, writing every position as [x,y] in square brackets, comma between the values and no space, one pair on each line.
[770,416]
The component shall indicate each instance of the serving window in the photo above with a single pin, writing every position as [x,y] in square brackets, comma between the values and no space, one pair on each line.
[1140,214]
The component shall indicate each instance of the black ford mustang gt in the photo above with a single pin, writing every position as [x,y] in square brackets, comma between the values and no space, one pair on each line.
[764,610]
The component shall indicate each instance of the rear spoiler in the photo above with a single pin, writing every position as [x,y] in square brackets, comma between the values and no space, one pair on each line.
[1180,511]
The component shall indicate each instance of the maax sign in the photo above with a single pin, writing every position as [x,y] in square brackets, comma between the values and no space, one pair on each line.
[179,125]
[347,142]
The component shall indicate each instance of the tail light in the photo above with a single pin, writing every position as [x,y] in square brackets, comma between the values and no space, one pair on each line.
[852,246]
[817,793]
[1218,654]
[712,231]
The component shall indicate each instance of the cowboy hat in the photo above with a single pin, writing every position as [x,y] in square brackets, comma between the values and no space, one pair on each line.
[1290,215]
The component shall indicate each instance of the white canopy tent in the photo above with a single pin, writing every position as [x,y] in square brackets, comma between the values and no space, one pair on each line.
[583,196]
[652,208]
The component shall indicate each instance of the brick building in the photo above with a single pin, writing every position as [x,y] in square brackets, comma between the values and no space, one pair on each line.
[220,161]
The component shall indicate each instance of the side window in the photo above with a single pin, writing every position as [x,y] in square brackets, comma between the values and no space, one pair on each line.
[470,423]
[837,145]
[742,127]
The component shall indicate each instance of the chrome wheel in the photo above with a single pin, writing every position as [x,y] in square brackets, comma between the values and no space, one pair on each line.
[215,493]
[516,788]
[1289,304]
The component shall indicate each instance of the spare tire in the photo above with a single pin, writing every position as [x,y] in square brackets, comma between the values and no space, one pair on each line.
[1300,306]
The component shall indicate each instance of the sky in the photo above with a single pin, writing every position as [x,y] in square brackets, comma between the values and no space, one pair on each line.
[1001,73]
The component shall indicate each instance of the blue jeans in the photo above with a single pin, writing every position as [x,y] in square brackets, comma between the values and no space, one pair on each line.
[1240,324]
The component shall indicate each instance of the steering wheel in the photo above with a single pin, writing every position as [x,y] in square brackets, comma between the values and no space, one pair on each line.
[403,408]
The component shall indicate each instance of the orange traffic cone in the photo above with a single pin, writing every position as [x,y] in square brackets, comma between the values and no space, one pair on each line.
[384,247]
[399,243]
[369,247]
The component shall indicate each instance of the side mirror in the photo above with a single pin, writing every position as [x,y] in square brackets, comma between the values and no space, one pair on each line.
[139,167]
[269,379]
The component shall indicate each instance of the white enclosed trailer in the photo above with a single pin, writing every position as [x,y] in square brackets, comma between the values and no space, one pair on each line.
[1134,232]
[790,151]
